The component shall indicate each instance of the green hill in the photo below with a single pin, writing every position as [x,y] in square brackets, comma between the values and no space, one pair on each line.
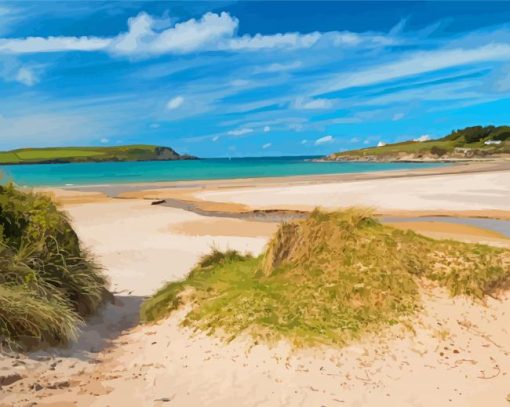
[90,154]
[469,143]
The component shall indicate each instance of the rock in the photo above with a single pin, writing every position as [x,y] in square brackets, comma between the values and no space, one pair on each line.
[9,378]
[59,385]
[36,387]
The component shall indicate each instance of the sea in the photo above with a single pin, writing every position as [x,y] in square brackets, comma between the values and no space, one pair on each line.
[80,174]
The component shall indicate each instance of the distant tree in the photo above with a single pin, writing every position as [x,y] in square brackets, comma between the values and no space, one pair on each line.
[476,133]
[438,151]
[503,136]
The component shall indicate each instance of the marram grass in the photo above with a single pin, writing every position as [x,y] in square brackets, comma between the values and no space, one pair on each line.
[48,284]
[326,280]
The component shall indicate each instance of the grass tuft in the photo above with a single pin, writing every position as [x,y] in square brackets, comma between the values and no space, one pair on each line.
[327,279]
[48,284]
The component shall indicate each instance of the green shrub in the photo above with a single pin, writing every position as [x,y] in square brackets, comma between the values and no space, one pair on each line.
[438,151]
[44,270]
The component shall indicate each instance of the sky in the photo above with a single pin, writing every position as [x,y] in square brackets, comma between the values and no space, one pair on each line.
[249,78]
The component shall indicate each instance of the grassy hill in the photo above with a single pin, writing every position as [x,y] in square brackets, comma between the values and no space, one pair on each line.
[327,279]
[90,154]
[469,143]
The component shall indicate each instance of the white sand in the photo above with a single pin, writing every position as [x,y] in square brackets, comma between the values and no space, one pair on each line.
[458,356]
[439,192]
[136,243]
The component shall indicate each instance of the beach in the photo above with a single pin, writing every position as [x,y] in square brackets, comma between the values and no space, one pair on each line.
[457,353]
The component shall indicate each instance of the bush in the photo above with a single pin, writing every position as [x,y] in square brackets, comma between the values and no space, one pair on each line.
[438,151]
[48,284]
[327,279]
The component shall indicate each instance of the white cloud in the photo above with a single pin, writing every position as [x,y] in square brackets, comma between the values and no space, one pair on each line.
[267,129]
[154,126]
[258,41]
[175,103]
[295,126]
[381,144]
[398,116]
[104,140]
[304,141]
[419,63]
[240,132]
[423,138]
[11,70]
[52,44]
[26,76]
[239,82]
[324,140]
[191,35]
[215,138]
[267,145]
[311,104]
[8,16]
[147,35]
[278,67]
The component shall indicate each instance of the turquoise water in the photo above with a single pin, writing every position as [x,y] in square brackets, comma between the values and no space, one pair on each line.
[156,171]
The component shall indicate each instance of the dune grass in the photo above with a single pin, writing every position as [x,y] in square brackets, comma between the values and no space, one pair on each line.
[48,284]
[328,279]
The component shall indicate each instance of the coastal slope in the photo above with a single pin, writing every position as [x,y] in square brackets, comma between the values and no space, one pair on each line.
[90,154]
[471,143]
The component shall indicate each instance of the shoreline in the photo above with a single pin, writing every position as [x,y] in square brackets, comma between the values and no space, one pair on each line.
[196,196]
[112,189]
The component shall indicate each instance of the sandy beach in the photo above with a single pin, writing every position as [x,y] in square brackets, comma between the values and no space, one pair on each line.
[458,353]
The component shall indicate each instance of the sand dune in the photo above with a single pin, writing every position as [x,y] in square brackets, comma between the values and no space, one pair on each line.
[458,355]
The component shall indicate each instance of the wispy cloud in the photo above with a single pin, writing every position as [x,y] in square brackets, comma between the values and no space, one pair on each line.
[324,140]
[52,44]
[175,103]
[26,76]
[240,132]
[278,67]
[12,70]
[266,146]
[147,36]
[312,104]
[418,63]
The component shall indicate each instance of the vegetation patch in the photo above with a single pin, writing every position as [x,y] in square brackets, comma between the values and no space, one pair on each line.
[471,142]
[48,284]
[327,280]
[90,154]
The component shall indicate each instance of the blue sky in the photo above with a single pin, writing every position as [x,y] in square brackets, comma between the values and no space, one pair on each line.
[250,78]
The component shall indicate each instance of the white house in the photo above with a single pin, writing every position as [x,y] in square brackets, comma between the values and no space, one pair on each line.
[492,142]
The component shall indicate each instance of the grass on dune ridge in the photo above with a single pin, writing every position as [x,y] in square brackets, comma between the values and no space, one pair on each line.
[48,284]
[327,280]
